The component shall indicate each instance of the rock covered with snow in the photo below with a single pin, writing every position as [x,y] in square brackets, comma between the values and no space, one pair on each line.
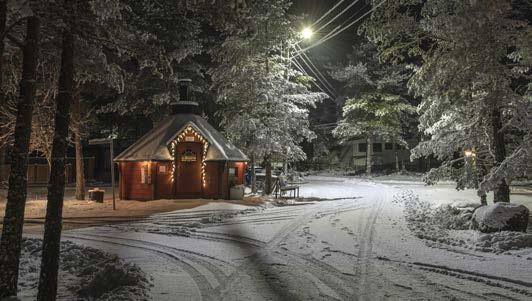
[500,217]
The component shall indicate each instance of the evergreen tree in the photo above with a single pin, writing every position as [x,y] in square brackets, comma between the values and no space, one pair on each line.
[375,105]
[264,102]
[474,81]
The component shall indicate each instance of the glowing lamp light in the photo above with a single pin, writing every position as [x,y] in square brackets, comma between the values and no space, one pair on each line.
[307,33]
[469,153]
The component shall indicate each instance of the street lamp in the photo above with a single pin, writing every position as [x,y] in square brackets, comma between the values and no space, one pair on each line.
[307,33]
[469,153]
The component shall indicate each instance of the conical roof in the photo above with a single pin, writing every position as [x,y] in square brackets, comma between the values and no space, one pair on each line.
[154,144]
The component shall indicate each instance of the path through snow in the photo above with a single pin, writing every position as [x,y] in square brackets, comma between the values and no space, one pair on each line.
[356,247]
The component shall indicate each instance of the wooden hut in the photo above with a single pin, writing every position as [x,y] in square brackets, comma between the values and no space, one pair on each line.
[181,157]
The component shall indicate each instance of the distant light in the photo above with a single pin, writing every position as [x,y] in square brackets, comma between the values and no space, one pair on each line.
[469,153]
[307,33]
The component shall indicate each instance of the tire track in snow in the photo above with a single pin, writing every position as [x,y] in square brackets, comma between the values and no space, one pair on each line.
[206,290]
[365,249]
[329,276]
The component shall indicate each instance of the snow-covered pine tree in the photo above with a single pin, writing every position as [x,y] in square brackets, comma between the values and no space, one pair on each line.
[473,79]
[376,105]
[264,101]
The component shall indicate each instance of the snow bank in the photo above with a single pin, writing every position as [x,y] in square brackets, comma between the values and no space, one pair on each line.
[504,241]
[447,225]
[84,273]
[501,217]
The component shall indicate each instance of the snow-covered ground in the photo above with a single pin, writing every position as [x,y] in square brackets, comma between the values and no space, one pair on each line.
[351,242]
[85,273]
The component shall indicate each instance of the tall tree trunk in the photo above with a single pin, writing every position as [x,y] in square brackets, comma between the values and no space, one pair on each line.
[2,161]
[481,173]
[80,169]
[369,155]
[268,179]
[253,175]
[56,183]
[3,21]
[502,191]
[16,196]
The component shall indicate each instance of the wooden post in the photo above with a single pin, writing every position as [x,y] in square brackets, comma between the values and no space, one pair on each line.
[120,182]
[111,152]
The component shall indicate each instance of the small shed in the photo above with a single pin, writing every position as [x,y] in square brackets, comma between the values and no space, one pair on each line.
[181,157]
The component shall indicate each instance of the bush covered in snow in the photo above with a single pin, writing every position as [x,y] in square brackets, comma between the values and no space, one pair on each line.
[423,217]
[84,274]
[450,225]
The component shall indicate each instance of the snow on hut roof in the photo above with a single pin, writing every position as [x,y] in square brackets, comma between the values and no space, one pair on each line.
[154,144]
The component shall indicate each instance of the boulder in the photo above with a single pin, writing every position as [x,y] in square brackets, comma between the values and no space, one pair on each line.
[500,217]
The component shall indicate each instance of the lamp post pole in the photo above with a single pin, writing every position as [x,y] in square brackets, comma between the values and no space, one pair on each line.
[112,155]
[111,152]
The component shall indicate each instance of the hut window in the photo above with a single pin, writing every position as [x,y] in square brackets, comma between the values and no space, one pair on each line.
[233,171]
[188,156]
[145,177]
[362,147]
[162,168]
[377,147]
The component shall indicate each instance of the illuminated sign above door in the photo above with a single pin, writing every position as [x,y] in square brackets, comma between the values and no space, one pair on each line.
[188,156]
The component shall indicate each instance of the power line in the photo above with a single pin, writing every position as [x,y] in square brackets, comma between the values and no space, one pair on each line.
[328,12]
[319,74]
[322,80]
[330,36]
[298,53]
[302,70]
[331,91]
[338,15]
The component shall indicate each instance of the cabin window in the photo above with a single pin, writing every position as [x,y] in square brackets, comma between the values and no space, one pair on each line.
[233,171]
[162,168]
[377,147]
[388,146]
[362,147]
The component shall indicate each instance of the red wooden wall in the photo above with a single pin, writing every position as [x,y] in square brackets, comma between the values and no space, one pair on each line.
[159,185]
[131,186]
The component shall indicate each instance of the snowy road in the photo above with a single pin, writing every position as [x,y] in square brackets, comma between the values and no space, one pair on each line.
[353,246]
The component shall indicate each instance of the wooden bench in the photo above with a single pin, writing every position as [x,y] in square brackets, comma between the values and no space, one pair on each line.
[281,187]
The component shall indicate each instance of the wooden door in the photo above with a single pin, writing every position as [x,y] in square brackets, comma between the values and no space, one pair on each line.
[189,157]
